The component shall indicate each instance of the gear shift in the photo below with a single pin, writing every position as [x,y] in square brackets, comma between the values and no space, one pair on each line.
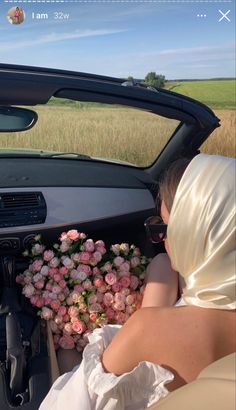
[15,357]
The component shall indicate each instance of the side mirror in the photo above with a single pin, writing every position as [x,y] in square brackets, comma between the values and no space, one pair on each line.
[16,119]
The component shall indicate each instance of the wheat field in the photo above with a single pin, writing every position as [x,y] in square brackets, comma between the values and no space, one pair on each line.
[117,133]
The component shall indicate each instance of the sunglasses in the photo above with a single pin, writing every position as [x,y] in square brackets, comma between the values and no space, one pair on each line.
[155,229]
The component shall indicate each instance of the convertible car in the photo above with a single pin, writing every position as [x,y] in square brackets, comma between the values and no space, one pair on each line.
[86,152]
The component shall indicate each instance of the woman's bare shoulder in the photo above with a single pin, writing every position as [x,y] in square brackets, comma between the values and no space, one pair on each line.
[180,339]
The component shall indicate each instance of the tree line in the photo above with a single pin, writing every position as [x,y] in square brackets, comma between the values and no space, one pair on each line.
[152,79]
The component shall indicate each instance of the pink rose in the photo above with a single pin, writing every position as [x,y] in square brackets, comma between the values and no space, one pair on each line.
[130,309]
[118,261]
[28,290]
[40,303]
[56,289]
[52,272]
[66,318]
[69,300]
[84,257]
[55,304]
[34,299]
[116,287]
[134,261]
[68,328]
[79,288]
[115,249]
[66,342]
[68,263]
[101,249]
[37,265]
[39,284]
[44,270]
[119,306]
[120,318]
[110,278]
[98,282]
[87,284]
[134,282]
[125,267]
[61,297]
[97,256]
[54,262]
[84,268]
[96,271]
[78,326]
[95,307]
[119,297]
[100,243]
[48,255]
[102,289]
[62,311]
[108,299]
[65,246]
[125,291]
[89,245]
[73,311]
[110,313]
[63,270]
[99,296]
[129,300]
[74,274]
[107,267]
[57,277]
[21,279]
[46,313]
[62,283]
[92,299]
[124,281]
[81,276]
[73,235]
[27,280]
[58,320]
[37,277]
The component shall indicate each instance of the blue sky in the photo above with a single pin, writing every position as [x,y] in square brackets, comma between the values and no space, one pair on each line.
[121,39]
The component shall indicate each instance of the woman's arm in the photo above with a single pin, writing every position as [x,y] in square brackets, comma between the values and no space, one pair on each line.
[162,283]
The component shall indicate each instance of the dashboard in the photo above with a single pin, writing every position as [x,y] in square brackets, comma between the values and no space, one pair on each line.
[51,195]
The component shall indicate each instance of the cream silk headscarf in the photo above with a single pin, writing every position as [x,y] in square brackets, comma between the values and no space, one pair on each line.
[201,232]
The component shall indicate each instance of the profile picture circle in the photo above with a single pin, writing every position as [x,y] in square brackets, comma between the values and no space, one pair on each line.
[16,15]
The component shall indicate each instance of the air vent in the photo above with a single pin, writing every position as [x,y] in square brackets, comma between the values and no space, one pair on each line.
[20,200]
[22,208]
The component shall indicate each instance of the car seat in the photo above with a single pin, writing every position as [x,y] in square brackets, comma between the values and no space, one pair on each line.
[214,389]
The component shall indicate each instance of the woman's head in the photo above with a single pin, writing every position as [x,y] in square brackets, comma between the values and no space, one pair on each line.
[201,230]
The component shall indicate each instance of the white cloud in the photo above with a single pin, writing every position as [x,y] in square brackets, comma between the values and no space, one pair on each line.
[55,37]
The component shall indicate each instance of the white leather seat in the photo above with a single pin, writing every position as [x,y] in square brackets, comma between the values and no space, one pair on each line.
[214,389]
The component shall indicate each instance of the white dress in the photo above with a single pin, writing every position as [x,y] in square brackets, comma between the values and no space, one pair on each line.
[88,387]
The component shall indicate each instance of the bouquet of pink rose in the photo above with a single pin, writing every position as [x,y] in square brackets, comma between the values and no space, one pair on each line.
[80,285]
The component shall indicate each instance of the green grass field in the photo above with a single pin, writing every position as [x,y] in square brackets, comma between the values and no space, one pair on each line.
[215,93]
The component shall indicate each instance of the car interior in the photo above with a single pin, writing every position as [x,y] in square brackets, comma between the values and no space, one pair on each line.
[50,192]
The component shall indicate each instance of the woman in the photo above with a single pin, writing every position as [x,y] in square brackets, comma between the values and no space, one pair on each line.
[164,286]
[161,349]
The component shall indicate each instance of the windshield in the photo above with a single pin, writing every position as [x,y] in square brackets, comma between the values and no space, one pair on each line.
[97,130]
[184,46]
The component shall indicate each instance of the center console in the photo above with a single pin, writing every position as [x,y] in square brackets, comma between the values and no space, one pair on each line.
[24,380]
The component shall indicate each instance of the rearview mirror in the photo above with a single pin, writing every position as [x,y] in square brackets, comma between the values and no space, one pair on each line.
[16,119]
